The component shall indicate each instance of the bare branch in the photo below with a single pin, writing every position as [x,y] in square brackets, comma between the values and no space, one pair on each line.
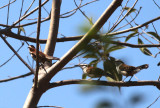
[37,45]
[53,30]
[23,17]
[131,20]
[11,56]
[83,12]
[134,28]
[20,37]
[135,46]
[8,12]
[123,17]
[104,83]
[17,77]
[156,4]
[29,7]
[153,102]
[7,4]
[74,10]
[16,54]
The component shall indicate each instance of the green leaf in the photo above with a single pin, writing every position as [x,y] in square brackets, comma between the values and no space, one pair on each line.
[84,76]
[114,48]
[130,35]
[94,63]
[110,68]
[140,41]
[146,51]
[21,29]
[155,35]
[90,56]
[128,8]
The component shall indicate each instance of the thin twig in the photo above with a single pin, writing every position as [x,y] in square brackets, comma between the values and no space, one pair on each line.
[135,46]
[37,45]
[20,15]
[29,7]
[23,17]
[17,77]
[123,17]
[12,56]
[17,54]
[153,102]
[74,10]
[130,21]
[104,83]
[7,4]
[120,14]
[83,12]
[156,4]
[8,11]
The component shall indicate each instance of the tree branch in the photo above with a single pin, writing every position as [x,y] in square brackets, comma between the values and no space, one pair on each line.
[20,37]
[130,9]
[135,46]
[105,83]
[23,17]
[134,28]
[37,45]
[17,54]
[53,30]
[17,77]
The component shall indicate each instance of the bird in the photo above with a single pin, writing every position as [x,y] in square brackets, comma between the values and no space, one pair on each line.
[42,57]
[127,70]
[93,72]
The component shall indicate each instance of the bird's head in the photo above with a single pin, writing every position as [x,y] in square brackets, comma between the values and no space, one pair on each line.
[118,62]
[31,47]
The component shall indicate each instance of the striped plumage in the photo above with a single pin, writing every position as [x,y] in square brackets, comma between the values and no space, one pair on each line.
[127,70]
[42,57]
[93,72]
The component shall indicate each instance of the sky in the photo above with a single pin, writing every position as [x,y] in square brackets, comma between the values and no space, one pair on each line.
[14,93]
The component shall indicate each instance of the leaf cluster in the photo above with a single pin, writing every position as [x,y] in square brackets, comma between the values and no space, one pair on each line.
[98,50]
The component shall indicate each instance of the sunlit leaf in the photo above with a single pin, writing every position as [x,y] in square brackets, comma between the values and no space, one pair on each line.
[155,35]
[21,29]
[146,51]
[130,35]
[128,8]
[140,41]
[94,63]
[93,55]
[114,48]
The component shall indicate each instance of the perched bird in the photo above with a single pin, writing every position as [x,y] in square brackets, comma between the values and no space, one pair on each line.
[127,70]
[93,72]
[42,57]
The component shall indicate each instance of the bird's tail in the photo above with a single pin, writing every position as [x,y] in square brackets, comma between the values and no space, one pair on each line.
[52,58]
[145,66]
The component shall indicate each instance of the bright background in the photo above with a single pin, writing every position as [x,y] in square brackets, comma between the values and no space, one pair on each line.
[14,93]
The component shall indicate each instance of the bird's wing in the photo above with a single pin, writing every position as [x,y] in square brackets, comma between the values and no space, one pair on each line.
[127,68]
[41,55]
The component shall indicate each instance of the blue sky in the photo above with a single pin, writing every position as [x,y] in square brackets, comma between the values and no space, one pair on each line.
[14,93]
